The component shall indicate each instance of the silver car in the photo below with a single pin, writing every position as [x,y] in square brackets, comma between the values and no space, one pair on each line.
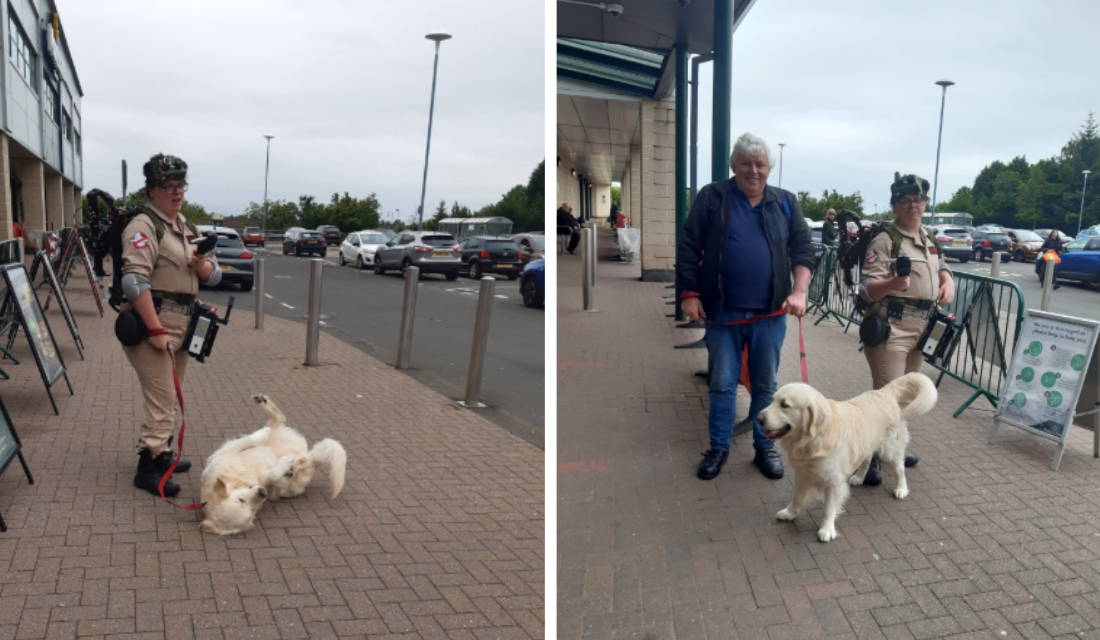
[360,247]
[431,251]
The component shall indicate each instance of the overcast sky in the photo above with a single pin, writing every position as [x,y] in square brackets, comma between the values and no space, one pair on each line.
[849,86]
[344,86]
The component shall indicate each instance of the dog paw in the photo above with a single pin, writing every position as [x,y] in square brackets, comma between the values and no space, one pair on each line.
[826,534]
[855,481]
[901,492]
[260,398]
[786,515]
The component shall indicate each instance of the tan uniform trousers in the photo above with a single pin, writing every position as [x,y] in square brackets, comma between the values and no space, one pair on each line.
[898,356]
[154,371]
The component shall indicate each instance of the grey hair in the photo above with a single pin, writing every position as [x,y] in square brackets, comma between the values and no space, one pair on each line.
[750,145]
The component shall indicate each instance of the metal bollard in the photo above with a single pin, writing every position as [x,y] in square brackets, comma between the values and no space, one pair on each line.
[258,287]
[586,276]
[1048,284]
[408,313]
[995,266]
[313,320]
[595,254]
[481,339]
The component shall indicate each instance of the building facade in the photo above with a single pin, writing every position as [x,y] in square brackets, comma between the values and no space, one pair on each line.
[41,171]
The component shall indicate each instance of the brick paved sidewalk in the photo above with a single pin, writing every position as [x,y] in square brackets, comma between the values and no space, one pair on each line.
[437,534]
[990,543]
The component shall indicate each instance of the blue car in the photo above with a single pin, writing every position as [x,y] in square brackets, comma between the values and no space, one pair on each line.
[532,283]
[1081,262]
[1091,232]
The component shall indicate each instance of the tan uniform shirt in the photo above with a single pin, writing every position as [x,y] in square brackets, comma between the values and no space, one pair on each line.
[924,281]
[164,263]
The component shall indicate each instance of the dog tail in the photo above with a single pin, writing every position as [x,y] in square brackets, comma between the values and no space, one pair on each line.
[275,418]
[330,454]
[916,394]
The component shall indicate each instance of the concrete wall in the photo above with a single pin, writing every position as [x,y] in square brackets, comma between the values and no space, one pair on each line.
[7,215]
[568,189]
[658,178]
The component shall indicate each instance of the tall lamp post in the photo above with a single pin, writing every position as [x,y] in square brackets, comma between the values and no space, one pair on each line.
[781,145]
[1082,212]
[437,36]
[267,166]
[939,141]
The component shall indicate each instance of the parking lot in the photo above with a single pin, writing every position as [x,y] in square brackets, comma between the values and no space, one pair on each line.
[364,310]
[1073,298]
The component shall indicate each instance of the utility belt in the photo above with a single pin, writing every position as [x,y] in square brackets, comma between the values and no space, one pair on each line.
[130,329]
[181,303]
[875,328]
[906,307]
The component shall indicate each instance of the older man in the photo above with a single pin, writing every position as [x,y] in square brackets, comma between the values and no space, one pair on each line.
[569,226]
[745,258]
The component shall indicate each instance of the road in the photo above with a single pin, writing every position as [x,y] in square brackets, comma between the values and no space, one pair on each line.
[1072,298]
[364,311]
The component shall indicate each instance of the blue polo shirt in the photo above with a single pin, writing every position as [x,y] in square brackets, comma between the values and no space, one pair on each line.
[747,263]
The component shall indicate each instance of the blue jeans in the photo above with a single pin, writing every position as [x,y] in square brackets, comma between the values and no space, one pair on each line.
[724,343]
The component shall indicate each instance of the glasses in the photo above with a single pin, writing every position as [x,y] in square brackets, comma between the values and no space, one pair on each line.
[179,187]
[912,202]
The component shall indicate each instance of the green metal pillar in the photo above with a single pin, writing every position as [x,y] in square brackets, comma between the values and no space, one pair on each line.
[681,151]
[723,71]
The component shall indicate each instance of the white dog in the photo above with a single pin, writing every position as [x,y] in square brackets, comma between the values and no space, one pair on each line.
[827,440]
[274,462]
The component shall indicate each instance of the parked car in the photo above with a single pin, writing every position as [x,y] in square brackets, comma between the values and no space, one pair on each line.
[486,254]
[234,259]
[1080,262]
[532,283]
[532,246]
[359,247]
[986,243]
[1091,232]
[253,235]
[990,227]
[815,229]
[431,251]
[389,233]
[1045,233]
[299,241]
[956,242]
[1025,244]
[331,234]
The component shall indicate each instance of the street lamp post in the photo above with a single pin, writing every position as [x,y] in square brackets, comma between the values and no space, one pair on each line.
[437,36]
[939,141]
[781,145]
[1082,212]
[267,166]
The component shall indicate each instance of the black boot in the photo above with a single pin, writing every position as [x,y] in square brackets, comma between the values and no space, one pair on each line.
[874,476]
[712,463]
[149,475]
[167,456]
[911,460]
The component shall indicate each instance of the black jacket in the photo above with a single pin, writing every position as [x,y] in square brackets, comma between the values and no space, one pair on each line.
[829,234]
[704,239]
[566,219]
[1052,243]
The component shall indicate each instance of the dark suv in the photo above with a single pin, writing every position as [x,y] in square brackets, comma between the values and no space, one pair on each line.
[986,243]
[486,254]
[299,241]
[331,234]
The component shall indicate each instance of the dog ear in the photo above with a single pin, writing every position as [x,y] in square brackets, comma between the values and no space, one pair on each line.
[819,414]
[220,489]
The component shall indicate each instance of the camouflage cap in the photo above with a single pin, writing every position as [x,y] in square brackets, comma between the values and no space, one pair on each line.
[161,168]
[906,185]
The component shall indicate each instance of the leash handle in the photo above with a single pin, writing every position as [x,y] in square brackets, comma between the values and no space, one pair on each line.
[179,454]
[801,355]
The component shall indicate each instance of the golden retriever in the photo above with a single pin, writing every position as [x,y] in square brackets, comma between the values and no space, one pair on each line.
[827,440]
[274,462]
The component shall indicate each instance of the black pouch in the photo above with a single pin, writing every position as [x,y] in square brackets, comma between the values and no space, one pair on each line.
[874,330]
[130,328]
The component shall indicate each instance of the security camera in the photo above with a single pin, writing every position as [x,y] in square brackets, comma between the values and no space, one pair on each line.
[615,10]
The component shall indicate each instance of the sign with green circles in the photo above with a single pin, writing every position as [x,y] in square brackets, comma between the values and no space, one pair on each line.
[1035,348]
[1077,362]
[1049,379]
[1054,399]
[1019,400]
[1027,374]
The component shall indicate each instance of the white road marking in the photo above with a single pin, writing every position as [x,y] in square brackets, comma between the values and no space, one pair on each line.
[283,277]
[503,297]
[287,305]
[268,295]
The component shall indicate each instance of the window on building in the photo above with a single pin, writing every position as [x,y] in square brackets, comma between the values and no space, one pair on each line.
[79,151]
[50,102]
[66,126]
[20,51]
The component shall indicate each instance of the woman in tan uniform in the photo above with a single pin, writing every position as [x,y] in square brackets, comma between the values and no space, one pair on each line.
[161,269]
[928,285]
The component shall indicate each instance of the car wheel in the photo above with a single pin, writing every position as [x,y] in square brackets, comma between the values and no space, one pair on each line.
[297,252]
[405,264]
[378,270]
[964,258]
[530,293]
[342,261]
[475,271]
[1019,256]
[979,255]
[452,275]
[246,285]
[284,249]
[359,262]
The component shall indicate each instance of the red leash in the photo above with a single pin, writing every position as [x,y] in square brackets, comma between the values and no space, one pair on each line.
[801,342]
[179,453]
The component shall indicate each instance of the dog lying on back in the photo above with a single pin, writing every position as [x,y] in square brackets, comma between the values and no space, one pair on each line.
[826,441]
[274,462]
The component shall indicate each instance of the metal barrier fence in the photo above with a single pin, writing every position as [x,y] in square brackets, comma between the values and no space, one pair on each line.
[11,250]
[990,310]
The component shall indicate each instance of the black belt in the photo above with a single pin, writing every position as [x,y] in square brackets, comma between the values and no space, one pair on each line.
[179,298]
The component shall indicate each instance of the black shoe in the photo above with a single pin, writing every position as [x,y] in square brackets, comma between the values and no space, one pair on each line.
[769,462]
[911,460]
[166,457]
[874,475]
[149,475]
[712,463]
[1057,286]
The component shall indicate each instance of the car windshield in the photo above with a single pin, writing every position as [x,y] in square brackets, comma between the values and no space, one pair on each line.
[996,236]
[372,238]
[540,242]
[1028,236]
[253,230]
[330,230]
[438,241]
[226,241]
[501,244]
[954,233]
[311,234]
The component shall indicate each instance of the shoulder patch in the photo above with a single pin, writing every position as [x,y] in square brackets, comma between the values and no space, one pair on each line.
[933,249]
[140,240]
[872,256]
